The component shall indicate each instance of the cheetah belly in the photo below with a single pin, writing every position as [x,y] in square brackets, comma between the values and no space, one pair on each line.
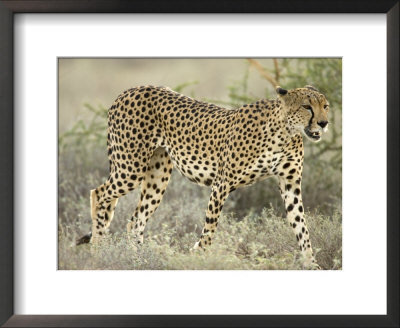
[196,172]
[262,168]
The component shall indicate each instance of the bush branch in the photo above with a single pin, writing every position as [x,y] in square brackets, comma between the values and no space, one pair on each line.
[277,72]
[263,72]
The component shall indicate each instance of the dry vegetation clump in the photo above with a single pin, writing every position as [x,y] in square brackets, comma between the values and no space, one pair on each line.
[256,241]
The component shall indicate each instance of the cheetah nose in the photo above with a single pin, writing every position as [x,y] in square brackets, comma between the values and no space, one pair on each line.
[323,124]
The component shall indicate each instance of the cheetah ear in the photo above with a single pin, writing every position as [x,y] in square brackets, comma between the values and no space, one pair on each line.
[281,91]
[311,88]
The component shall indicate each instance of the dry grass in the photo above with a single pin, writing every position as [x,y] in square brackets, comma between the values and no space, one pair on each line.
[261,241]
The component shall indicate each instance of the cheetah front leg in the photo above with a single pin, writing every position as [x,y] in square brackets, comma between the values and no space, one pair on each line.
[290,187]
[217,199]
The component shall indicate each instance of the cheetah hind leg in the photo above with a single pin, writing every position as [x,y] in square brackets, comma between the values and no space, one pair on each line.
[93,206]
[88,237]
[153,186]
[85,239]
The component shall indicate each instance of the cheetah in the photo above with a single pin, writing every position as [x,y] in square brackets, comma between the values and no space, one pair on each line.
[151,130]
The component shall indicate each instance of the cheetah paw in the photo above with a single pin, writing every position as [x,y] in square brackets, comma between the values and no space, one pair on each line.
[197,248]
[311,265]
[84,240]
[315,266]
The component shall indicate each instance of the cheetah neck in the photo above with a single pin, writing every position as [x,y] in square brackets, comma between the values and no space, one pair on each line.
[291,130]
[280,130]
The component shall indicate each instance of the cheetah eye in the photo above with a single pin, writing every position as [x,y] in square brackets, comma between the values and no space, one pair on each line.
[308,107]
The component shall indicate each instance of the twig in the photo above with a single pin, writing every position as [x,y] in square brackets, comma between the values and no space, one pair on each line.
[277,73]
[264,73]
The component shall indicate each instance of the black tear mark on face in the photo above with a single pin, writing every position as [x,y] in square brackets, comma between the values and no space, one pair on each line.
[312,116]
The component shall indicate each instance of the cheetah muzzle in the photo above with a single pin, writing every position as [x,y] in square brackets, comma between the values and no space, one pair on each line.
[313,135]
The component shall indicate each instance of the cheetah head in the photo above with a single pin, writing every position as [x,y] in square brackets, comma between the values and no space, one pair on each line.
[307,111]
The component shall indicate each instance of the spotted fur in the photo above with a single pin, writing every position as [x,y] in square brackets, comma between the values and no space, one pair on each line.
[153,129]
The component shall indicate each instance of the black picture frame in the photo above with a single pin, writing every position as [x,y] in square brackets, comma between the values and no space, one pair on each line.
[7,11]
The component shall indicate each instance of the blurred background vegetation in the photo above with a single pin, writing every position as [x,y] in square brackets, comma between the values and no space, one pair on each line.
[253,233]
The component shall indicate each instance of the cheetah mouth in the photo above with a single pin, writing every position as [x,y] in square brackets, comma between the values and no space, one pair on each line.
[314,135]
